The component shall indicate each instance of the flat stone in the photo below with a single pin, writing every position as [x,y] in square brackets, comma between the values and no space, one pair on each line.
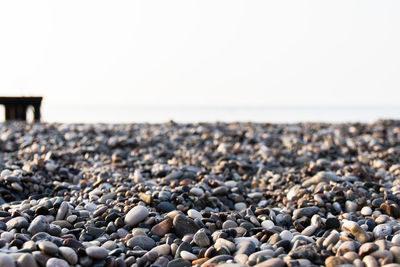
[245,247]
[6,260]
[69,254]
[39,224]
[48,247]
[308,212]
[62,211]
[55,262]
[179,262]
[17,223]
[303,252]
[333,261]
[26,260]
[367,248]
[382,230]
[144,242]
[165,207]
[162,228]
[321,177]
[201,239]
[275,262]
[188,256]
[97,253]
[184,225]
[332,223]
[136,215]
[94,231]
[194,214]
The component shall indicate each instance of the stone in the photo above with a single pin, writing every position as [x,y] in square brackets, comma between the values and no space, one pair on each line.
[6,260]
[332,223]
[26,260]
[382,230]
[144,242]
[321,177]
[162,228]
[62,211]
[275,262]
[267,224]
[303,252]
[69,254]
[367,248]
[97,253]
[245,247]
[201,239]
[333,261]
[194,214]
[366,211]
[48,247]
[188,256]
[136,215]
[307,211]
[55,262]
[165,207]
[332,238]
[17,223]
[39,224]
[184,225]
[286,235]
[179,262]
[370,261]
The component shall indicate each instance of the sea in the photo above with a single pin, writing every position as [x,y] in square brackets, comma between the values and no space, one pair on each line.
[188,114]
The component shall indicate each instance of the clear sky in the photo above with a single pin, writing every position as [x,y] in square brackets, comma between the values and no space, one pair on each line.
[230,53]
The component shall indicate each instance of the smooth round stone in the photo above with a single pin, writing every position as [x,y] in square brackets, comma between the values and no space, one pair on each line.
[48,247]
[229,224]
[55,262]
[62,211]
[17,223]
[26,260]
[351,206]
[179,262]
[162,228]
[109,245]
[275,262]
[201,239]
[332,223]
[184,225]
[6,260]
[39,224]
[267,224]
[366,211]
[286,235]
[194,214]
[196,191]
[69,254]
[396,239]
[246,247]
[136,215]
[97,253]
[142,241]
[165,207]
[382,230]
[188,256]
[240,206]
[164,249]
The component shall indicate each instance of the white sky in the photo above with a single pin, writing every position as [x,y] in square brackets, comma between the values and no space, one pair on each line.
[267,53]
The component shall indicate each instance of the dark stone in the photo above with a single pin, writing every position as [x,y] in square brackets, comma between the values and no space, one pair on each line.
[184,225]
[179,263]
[165,207]
[184,246]
[332,223]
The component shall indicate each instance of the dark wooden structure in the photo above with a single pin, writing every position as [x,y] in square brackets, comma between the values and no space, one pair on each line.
[16,107]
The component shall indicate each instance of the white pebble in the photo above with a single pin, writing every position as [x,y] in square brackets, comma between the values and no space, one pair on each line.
[286,235]
[366,211]
[267,224]
[194,214]
[188,256]
[240,206]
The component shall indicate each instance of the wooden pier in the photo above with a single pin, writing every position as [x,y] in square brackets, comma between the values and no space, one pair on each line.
[16,107]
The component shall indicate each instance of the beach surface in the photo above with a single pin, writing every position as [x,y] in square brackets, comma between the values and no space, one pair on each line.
[200,194]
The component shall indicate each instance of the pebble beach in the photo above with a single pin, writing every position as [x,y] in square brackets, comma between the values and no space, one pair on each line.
[201,194]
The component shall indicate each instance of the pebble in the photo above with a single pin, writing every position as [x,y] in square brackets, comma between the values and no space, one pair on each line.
[27,260]
[144,242]
[6,260]
[136,215]
[382,230]
[194,214]
[55,262]
[97,253]
[69,254]
[188,256]
[184,225]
